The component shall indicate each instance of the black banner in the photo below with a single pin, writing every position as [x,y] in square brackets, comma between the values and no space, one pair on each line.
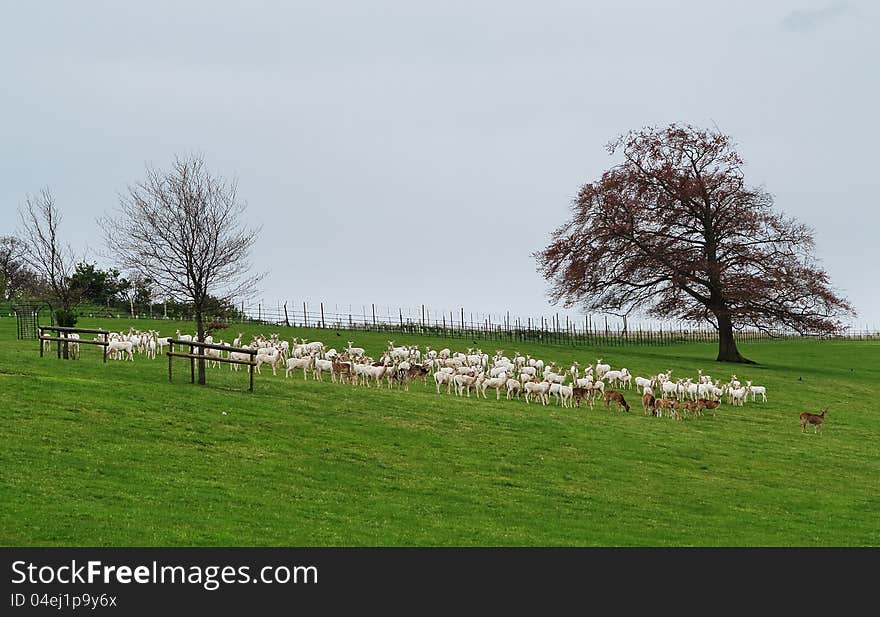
[135,581]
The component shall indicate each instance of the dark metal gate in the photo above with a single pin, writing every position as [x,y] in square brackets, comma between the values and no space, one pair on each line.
[28,318]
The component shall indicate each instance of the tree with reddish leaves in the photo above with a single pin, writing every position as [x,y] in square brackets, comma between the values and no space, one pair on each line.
[675,231]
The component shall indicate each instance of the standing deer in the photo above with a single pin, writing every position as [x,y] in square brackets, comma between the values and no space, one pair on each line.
[705,403]
[648,402]
[582,394]
[816,419]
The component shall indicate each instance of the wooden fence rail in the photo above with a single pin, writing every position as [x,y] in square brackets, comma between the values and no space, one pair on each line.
[64,340]
[201,356]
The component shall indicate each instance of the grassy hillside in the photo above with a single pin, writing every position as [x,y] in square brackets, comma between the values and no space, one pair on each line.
[94,454]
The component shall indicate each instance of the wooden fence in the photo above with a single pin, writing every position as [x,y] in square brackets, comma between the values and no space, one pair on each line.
[64,341]
[202,346]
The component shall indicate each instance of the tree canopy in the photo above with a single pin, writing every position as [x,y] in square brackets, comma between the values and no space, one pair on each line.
[104,287]
[674,230]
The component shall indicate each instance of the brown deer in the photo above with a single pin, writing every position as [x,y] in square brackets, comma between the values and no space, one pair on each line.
[341,371]
[648,402]
[705,403]
[816,419]
[582,394]
[670,404]
[613,395]
[687,407]
[416,371]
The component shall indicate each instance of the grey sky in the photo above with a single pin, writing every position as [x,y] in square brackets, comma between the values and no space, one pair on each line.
[405,153]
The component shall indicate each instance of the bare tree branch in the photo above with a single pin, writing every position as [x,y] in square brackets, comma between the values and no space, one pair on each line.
[184,230]
[16,278]
[44,252]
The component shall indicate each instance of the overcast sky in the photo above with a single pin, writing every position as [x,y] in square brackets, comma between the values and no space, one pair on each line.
[418,152]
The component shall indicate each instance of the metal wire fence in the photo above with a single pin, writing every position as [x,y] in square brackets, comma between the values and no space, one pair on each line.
[586,331]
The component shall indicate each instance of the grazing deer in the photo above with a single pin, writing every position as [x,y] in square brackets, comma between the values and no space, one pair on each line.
[816,419]
[612,395]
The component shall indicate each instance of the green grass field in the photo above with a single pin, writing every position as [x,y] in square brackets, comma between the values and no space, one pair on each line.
[115,455]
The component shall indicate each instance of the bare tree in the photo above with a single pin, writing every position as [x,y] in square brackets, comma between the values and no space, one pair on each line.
[183,230]
[52,260]
[675,230]
[14,273]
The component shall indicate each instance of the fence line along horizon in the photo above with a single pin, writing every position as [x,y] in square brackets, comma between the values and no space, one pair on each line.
[319,314]
[462,323]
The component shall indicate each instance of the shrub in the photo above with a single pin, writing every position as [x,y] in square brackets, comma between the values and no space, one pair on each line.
[66,319]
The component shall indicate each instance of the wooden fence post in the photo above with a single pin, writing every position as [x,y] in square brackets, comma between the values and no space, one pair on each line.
[251,369]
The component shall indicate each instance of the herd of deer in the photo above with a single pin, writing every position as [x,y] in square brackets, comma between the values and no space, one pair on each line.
[676,409]
[403,364]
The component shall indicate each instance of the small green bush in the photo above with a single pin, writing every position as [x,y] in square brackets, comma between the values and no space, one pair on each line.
[66,319]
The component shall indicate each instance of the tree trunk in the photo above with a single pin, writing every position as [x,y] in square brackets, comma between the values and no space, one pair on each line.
[67,319]
[727,351]
[200,333]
